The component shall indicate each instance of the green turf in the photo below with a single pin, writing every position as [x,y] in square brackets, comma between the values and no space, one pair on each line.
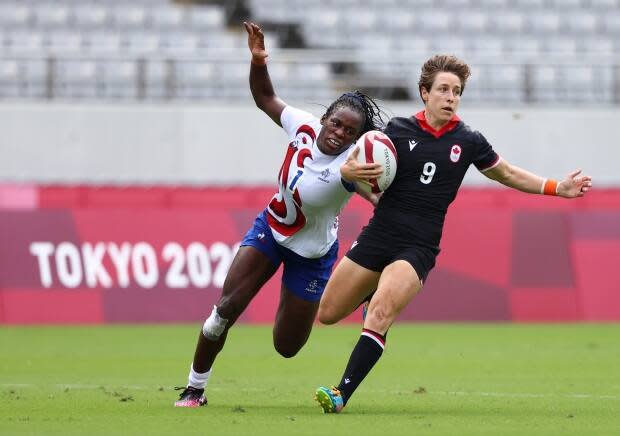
[432,380]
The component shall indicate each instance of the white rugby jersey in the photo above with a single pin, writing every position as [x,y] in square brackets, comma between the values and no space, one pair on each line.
[303,214]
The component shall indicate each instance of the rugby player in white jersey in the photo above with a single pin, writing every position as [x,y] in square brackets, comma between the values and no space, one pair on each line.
[299,226]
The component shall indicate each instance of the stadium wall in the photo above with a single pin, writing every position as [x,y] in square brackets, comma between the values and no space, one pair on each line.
[85,254]
[223,144]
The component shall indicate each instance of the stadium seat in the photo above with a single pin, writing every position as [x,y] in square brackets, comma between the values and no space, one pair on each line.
[157,74]
[10,78]
[418,4]
[596,45]
[528,5]
[103,42]
[35,74]
[325,20]
[76,79]
[473,22]
[464,4]
[14,15]
[579,82]
[90,16]
[508,23]
[524,47]
[566,4]
[476,84]
[202,18]
[51,15]
[373,44]
[119,79]
[64,42]
[360,21]
[167,18]
[129,17]
[544,22]
[129,2]
[581,22]
[561,46]
[611,23]
[180,43]
[272,11]
[603,4]
[194,74]
[24,42]
[546,85]
[503,84]
[412,47]
[454,45]
[279,72]
[435,21]
[398,21]
[493,5]
[234,72]
[230,41]
[485,47]
[141,43]
[313,74]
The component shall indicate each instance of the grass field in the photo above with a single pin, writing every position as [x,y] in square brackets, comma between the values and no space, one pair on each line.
[432,380]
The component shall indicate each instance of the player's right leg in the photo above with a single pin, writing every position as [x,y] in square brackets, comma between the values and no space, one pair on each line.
[254,264]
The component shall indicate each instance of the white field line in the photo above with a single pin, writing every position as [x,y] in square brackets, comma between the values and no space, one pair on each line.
[430,392]
[523,395]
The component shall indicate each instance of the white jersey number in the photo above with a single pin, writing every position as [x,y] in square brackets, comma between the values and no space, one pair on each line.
[428,172]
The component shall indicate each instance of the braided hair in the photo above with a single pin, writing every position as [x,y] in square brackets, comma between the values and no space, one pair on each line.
[362,104]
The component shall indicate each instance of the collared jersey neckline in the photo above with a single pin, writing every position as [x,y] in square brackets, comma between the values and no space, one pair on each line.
[421,117]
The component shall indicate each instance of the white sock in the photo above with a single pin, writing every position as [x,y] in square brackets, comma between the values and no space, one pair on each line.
[196,379]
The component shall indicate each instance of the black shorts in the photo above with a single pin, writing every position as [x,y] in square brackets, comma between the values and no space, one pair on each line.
[376,248]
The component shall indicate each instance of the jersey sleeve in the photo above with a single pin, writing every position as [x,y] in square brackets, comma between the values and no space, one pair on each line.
[390,129]
[485,157]
[291,118]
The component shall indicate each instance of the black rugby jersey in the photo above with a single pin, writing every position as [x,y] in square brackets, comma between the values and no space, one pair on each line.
[431,167]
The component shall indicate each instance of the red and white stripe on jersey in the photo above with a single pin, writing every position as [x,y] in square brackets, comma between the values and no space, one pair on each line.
[493,165]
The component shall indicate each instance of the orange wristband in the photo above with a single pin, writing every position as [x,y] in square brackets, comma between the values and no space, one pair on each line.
[550,187]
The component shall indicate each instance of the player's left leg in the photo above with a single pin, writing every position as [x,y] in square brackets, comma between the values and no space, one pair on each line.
[303,282]
[293,322]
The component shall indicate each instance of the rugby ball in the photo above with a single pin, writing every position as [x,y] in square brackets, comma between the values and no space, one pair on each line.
[376,147]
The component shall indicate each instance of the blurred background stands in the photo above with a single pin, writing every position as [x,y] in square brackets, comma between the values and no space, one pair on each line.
[521,51]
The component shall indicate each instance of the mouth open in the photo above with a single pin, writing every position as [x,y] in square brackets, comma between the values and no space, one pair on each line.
[447,109]
[334,144]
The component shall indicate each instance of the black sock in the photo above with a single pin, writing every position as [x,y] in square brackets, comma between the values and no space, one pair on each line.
[364,356]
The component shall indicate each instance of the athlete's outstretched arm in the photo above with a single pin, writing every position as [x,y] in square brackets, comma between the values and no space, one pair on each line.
[260,82]
[512,176]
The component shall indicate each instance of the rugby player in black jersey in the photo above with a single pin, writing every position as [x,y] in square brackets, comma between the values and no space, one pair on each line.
[396,250]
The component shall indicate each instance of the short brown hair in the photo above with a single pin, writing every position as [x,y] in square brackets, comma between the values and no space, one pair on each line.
[442,63]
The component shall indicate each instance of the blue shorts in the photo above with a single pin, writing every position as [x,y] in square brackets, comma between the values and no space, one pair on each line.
[305,277]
